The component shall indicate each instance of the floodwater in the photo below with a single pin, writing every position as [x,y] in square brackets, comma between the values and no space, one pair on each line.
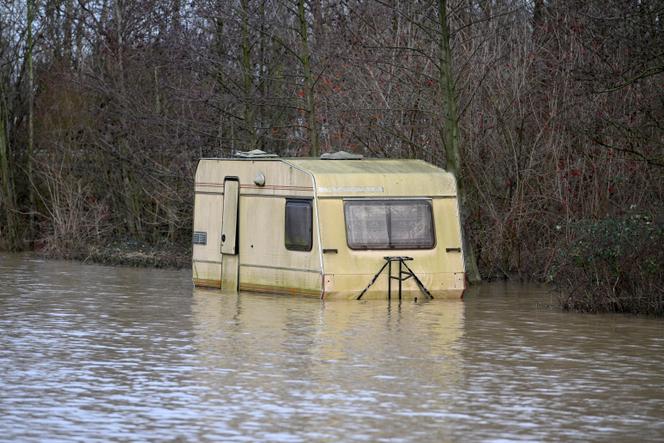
[94,353]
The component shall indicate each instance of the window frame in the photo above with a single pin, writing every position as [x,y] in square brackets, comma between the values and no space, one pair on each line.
[299,201]
[429,204]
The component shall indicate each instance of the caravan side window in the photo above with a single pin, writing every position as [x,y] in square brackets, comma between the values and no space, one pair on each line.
[299,223]
[389,224]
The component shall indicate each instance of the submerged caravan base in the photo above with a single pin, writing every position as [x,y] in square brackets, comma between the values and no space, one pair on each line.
[325,227]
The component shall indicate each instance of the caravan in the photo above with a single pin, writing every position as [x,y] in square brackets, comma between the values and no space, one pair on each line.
[336,227]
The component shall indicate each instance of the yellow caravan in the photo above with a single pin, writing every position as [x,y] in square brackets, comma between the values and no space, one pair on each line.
[335,227]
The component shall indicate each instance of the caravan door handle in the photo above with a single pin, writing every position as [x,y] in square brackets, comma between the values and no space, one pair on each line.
[223,238]
[452,249]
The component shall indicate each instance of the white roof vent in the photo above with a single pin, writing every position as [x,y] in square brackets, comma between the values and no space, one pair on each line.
[256,153]
[341,155]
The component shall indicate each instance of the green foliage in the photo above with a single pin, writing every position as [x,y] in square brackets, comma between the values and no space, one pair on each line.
[613,265]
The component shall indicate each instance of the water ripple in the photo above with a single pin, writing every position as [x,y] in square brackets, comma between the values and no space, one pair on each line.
[92,353]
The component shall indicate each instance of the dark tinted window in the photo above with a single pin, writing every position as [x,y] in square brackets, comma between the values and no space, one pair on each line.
[298,225]
[389,224]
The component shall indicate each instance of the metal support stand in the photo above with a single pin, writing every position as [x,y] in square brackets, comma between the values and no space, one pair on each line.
[403,275]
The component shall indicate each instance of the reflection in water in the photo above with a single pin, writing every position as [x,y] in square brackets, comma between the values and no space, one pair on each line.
[301,366]
[92,352]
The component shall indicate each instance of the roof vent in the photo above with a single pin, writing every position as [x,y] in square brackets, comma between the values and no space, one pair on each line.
[341,155]
[256,153]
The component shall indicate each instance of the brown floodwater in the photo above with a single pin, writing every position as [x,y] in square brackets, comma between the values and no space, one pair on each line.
[95,353]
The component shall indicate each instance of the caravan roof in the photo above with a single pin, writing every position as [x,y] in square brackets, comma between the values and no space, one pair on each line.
[377,177]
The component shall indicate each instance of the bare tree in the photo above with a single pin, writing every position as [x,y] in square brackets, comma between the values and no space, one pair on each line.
[546,112]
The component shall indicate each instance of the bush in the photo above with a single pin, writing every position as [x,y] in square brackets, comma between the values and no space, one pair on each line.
[613,265]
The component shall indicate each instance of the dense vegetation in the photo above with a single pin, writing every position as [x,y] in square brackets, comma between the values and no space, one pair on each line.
[613,264]
[550,112]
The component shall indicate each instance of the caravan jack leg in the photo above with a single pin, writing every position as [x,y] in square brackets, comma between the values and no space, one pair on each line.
[403,275]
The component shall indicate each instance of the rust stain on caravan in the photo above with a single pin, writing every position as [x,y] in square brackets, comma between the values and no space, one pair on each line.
[277,290]
[205,283]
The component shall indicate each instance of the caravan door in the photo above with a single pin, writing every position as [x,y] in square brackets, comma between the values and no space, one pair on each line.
[230,260]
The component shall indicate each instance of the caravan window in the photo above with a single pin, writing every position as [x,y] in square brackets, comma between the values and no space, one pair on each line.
[389,224]
[298,225]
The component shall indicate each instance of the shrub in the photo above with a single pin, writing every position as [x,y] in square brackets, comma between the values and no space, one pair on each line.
[613,265]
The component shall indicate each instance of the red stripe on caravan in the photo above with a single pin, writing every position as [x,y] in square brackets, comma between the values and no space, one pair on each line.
[279,187]
[274,187]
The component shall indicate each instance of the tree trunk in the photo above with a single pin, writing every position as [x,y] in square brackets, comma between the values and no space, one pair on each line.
[31,119]
[309,96]
[8,202]
[67,30]
[450,133]
[130,194]
[247,79]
